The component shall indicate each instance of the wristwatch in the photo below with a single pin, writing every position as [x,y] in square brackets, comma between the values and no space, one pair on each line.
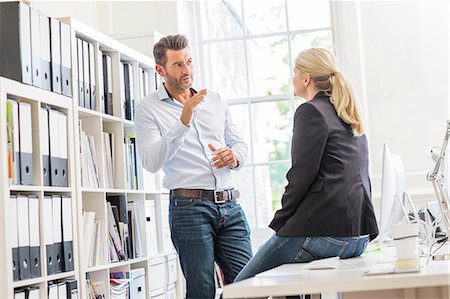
[237,164]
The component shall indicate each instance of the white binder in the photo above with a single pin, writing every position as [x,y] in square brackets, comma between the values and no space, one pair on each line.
[87,89]
[67,233]
[35,252]
[45,146]
[152,237]
[100,86]
[33,293]
[107,67]
[80,68]
[92,76]
[25,144]
[15,241]
[35,48]
[58,148]
[63,149]
[53,291]
[19,294]
[25,43]
[47,214]
[66,59]
[53,119]
[62,290]
[24,237]
[44,29]
[55,48]
[57,234]
[132,97]
[122,91]
[16,138]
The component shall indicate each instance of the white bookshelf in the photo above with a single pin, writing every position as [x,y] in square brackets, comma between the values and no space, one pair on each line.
[94,199]
[90,199]
[10,89]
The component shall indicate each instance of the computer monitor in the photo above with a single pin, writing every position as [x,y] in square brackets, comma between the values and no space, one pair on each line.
[393,188]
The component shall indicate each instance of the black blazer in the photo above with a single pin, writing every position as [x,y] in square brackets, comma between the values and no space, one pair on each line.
[328,191]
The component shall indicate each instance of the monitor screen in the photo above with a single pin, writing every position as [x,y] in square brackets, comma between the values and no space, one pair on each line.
[393,187]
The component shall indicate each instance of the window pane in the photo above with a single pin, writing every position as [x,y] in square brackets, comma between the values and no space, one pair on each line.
[272,130]
[221,19]
[308,15]
[243,181]
[240,117]
[270,182]
[317,39]
[266,18]
[269,70]
[225,69]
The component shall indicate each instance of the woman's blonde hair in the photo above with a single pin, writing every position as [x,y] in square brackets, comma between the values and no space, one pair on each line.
[320,65]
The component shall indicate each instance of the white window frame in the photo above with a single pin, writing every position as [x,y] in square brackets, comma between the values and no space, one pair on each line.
[197,36]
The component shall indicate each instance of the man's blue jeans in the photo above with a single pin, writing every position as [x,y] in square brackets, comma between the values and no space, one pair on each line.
[204,232]
[284,250]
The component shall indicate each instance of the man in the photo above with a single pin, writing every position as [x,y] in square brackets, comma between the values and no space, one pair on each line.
[190,136]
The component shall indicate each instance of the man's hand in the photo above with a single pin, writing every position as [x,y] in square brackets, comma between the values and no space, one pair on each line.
[223,157]
[190,105]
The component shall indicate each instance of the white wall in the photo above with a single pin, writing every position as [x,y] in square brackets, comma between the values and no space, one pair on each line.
[134,22]
[397,56]
[131,22]
[85,11]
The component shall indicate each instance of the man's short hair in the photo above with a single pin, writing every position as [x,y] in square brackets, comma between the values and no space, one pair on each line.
[172,42]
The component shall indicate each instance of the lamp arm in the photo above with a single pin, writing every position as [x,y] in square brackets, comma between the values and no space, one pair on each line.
[443,201]
[441,157]
[438,186]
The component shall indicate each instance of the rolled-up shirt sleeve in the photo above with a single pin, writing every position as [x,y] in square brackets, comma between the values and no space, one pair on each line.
[155,148]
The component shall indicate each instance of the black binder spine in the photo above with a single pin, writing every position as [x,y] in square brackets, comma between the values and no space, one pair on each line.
[15,41]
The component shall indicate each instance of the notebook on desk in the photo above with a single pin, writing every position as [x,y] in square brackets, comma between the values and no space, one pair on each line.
[321,264]
[389,270]
[301,268]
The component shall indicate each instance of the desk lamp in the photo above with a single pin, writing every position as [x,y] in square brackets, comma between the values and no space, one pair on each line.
[436,178]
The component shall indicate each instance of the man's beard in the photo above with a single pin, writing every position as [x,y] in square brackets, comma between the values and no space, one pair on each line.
[178,84]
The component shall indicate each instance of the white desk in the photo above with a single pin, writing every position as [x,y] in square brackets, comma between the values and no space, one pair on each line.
[350,279]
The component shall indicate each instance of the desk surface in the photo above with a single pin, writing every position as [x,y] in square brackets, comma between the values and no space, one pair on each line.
[350,276]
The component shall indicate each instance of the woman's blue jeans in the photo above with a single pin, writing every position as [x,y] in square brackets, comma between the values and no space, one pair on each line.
[204,232]
[284,250]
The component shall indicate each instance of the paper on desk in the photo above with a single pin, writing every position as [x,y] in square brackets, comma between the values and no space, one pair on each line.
[293,269]
[283,270]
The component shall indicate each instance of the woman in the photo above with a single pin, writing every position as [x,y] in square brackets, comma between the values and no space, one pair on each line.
[326,207]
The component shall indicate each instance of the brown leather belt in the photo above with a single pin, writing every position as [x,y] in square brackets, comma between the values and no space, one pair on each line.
[218,196]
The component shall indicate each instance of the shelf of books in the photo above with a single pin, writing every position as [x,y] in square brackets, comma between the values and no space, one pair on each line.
[79,216]
[38,205]
[37,197]
[125,246]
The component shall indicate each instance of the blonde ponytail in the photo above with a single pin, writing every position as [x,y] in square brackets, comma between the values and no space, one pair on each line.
[319,64]
[344,102]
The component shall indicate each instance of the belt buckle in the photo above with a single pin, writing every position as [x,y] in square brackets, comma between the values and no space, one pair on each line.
[216,196]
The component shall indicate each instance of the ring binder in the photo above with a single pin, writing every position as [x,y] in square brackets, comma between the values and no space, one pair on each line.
[15,38]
